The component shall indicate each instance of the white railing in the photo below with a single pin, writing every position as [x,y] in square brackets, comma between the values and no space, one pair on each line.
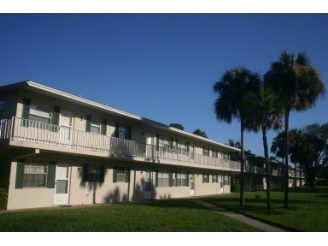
[44,133]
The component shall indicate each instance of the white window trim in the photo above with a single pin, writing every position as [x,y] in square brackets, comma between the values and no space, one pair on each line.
[34,163]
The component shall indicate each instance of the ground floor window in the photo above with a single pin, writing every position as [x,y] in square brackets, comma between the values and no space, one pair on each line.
[163,179]
[35,174]
[121,174]
[226,180]
[215,178]
[181,179]
[206,178]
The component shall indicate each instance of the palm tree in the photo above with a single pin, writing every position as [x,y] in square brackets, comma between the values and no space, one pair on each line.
[231,90]
[264,112]
[200,133]
[232,143]
[299,85]
[295,137]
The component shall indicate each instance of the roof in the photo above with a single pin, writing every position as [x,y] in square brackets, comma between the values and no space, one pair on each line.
[28,84]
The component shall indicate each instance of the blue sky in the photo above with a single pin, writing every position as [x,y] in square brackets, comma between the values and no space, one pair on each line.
[159,66]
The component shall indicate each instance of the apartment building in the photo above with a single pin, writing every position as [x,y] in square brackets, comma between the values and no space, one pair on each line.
[255,177]
[58,149]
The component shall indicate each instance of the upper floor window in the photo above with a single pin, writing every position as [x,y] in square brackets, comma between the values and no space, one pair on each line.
[182,148]
[164,143]
[2,105]
[95,126]
[225,155]
[215,153]
[123,132]
[40,112]
[206,151]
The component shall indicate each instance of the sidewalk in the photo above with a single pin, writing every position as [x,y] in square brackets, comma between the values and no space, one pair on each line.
[242,218]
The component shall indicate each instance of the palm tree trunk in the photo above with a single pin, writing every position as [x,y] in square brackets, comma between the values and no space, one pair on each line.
[286,156]
[267,167]
[300,177]
[242,162]
[295,177]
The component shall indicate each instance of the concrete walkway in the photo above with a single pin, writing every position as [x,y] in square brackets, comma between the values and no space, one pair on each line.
[242,218]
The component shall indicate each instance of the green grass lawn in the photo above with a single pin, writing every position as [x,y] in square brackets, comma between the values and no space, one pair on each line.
[308,211]
[169,215]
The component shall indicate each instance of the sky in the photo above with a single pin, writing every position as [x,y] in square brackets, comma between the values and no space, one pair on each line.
[160,66]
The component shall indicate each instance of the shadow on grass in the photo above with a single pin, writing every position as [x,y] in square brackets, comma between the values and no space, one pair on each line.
[172,203]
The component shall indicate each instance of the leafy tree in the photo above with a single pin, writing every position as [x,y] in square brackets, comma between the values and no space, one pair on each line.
[264,112]
[299,85]
[231,90]
[177,125]
[200,133]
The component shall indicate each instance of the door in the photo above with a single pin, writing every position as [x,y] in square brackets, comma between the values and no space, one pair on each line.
[148,145]
[148,185]
[221,183]
[192,184]
[65,127]
[62,184]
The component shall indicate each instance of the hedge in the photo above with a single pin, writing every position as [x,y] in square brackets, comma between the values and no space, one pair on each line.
[3,198]
[235,188]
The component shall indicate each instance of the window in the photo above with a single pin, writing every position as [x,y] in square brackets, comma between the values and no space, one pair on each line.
[121,175]
[191,151]
[164,143]
[215,178]
[206,151]
[182,148]
[93,172]
[95,126]
[226,180]
[163,179]
[2,105]
[181,179]
[40,112]
[215,153]
[225,156]
[35,174]
[206,178]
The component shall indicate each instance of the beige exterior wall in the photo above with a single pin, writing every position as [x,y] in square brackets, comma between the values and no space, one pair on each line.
[81,193]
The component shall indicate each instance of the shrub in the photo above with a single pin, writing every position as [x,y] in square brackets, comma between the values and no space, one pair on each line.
[235,188]
[3,198]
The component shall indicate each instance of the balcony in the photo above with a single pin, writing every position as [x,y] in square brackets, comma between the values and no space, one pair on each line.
[255,169]
[44,135]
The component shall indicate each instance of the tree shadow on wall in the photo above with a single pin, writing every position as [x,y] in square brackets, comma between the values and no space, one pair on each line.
[91,186]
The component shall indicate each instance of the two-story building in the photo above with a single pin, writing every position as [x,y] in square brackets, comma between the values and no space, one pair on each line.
[57,148]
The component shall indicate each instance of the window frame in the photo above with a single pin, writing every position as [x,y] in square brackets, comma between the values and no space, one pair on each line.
[126,128]
[206,180]
[33,164]
[160,180]
[95,123]
[34,112]
[216,180]
[179,180]
[121,174]
[206,151]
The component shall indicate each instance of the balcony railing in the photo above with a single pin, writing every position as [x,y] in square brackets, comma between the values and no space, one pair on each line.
[47,134]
